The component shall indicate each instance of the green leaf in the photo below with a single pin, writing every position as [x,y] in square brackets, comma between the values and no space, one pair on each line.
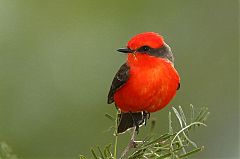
[94,154]
[164,156]
[109,117]
[107,151]
[170,123]
[191,152]
[82,157]
[192,114]
[100,151]
[183,117]
[159,139]
[137,154]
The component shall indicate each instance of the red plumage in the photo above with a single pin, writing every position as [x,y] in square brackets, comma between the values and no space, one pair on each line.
[146,83]
[152,82]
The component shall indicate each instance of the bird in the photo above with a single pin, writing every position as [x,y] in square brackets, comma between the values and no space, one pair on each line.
[145,83]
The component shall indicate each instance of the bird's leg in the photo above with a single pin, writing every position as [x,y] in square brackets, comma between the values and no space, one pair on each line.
[136,124]
[131,144]
[146,116]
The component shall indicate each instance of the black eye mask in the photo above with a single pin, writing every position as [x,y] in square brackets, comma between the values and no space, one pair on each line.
[163,52]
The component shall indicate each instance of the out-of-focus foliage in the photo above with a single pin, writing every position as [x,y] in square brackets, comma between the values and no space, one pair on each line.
[174,144]
[6,152]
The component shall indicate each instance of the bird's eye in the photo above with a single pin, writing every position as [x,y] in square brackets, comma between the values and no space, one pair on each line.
[144,49]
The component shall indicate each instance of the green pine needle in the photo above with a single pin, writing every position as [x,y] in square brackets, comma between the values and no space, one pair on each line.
[176,143]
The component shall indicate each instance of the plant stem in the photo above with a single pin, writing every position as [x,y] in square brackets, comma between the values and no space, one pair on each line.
[116,136]
[182,130]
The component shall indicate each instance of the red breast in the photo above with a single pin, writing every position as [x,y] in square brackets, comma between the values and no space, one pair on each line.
[151,85]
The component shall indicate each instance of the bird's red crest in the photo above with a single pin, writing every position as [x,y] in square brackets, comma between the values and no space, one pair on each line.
[151,39]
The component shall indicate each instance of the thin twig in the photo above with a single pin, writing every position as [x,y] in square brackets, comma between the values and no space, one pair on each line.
[131,144]
[195,123]
[116,137]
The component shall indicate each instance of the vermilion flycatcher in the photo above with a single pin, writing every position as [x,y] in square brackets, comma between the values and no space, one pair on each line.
[146,83]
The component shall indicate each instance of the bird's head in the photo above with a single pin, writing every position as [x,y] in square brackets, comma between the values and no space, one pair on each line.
[149,43]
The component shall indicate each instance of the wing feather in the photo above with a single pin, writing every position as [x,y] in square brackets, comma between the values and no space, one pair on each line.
[119,80]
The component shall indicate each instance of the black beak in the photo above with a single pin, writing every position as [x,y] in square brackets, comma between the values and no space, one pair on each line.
[125,50]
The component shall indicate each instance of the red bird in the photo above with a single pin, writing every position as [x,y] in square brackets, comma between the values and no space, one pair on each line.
[146,83]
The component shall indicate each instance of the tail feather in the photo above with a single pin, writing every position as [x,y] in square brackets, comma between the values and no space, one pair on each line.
[129,120]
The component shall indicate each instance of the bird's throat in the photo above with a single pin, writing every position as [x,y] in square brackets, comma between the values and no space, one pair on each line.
[144,60]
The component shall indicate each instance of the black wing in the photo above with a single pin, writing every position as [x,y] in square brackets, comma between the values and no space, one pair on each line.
[119,80]
[178,86]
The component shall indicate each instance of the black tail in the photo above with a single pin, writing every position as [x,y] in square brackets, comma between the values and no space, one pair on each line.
[129,120]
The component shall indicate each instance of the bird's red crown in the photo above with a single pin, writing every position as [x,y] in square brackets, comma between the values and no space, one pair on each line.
[151,39]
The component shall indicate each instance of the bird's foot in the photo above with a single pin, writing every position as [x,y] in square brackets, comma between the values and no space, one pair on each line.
[135,143]
[146,116]
[132,144]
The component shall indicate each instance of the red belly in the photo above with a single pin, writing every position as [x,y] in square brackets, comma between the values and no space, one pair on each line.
[151,86]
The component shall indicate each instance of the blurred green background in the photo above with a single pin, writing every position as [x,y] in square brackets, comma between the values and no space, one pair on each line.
[58,58]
